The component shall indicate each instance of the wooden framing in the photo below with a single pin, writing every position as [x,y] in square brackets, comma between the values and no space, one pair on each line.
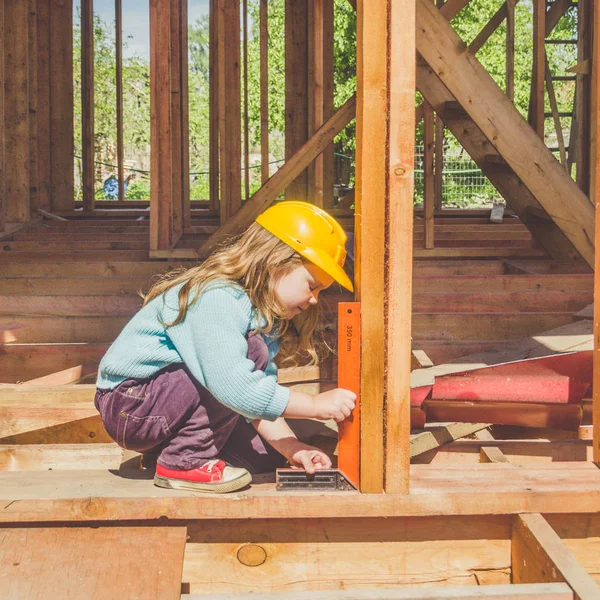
[2,117]
[595,197]
[264,91]
[428,175]
[539,61]
[87,101]
[213,76]
[119,94]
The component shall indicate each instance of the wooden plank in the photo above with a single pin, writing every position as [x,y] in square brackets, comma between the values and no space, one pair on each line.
[61,104]
[510,49]
[400,190]
[185,113]
[214,106]
[119,96]
[439,434]
[230,143]
[585,26]
[43,104]
[264,90]
[428,176]
[67,376]
[245,98]
[42,560]
[555,116]
[571,487]
[87,102]
[464,76]
[490,27]
[370,201]
[541,591]
[316,80]
[490,454]
[540,556]
[43,457]
[438,171]
[595,198]
[33,106]
[16,116]
[296,91]
[283,177]
[539,61]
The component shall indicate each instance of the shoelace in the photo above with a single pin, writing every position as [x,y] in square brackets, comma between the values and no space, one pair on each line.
[210,464]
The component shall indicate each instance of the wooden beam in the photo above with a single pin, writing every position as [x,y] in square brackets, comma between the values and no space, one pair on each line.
[2,116]
[494,114]
[555,116]
[43,105]
[283,177]
[185,114]
[585,26]
[540,556]
[16,116]
[119,95]
[296,90]
[214,106]
[510,49]
[595,198]
[539,61]
[264,90]
[61,104]
[316,80]
[245,77]
[230,128]
[438,170]
[33,107]
[87,103]
[428,176]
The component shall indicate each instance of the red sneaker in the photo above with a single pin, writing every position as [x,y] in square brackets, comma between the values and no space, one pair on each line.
[214,476]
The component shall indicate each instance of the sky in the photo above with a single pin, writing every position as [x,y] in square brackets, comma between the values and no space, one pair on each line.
[136,21]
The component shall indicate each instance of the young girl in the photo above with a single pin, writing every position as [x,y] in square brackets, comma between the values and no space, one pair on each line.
[200,353]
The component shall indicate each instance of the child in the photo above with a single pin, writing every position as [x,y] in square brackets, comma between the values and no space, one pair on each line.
[200,353]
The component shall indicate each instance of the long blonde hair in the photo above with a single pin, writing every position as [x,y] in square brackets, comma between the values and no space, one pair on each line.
[255,260]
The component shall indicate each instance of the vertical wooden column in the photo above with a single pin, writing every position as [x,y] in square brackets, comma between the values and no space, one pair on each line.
[539,62]
[119,90]
[384,224]
[213,109]
[87,100]
[162,234]
[400,188]
[246,128]
[185,117]
[168,106]
[2,113]
[264,91]
[428,176]
[595,197]
[582,96]
[16,115]
[43,105]
[510,49]
[230,131]
[33,106]
[296,89]
[438,171]
[61,104]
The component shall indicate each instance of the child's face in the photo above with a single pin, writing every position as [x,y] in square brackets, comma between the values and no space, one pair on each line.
[300,288]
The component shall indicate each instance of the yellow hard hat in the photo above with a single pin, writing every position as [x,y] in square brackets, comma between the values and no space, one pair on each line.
[312,233]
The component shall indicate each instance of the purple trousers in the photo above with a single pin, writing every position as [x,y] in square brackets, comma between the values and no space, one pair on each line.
[176,419]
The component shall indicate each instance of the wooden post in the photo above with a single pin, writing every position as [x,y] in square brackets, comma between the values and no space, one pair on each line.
[595,197]
[33,106]
[61,104]
[383,226]
[162,235]
[246,128]
[428,176]
[510,49]
[230,150]
[213,108]
[43,104]
[87,100]
[2,114]
[119,94]
[438,171]
[264,91]
[296,89]
[400,188]
[185,120]
[582,97]
[316,80]
[539,61]
[16,115]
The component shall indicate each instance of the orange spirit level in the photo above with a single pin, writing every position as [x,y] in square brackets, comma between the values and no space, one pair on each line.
[349,379]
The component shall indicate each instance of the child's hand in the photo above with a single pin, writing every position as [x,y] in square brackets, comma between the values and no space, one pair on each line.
[335,404]
[310,459]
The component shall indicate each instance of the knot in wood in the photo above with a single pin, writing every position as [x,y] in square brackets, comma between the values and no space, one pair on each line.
[400,171]
[252,555]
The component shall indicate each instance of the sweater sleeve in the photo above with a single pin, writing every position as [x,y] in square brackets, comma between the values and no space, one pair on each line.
[211,341]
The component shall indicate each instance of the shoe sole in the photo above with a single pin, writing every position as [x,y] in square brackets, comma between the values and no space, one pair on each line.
[192,486]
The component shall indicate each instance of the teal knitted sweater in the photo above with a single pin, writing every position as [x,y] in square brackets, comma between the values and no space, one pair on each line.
[211,341]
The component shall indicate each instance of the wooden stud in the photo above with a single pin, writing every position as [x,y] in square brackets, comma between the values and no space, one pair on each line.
[510,49]
[296,90]
[438,171]
[16,115]
[185,113]
[43,104]
[87,101]
[119,95]
[61,104]
[214,106]
[539,60]
[582,97]
[246,127]
[555,116]
[540,556]
[328,100]
[316,92]
[400,184]
[2,116]
[595,197]
[230,142]
[284,176]
[264,91]
[33,106]
[428,175]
